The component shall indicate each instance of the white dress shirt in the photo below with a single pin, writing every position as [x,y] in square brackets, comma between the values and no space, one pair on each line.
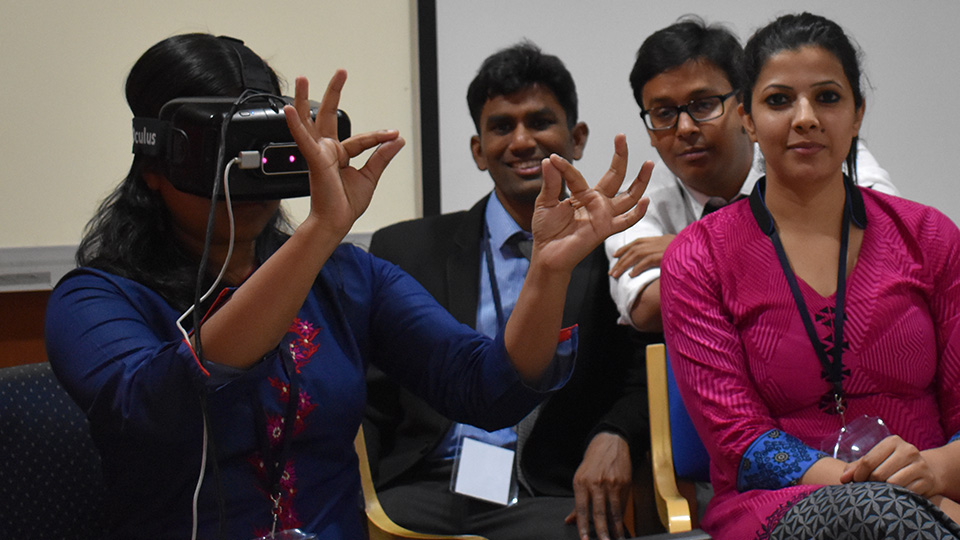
[674,205]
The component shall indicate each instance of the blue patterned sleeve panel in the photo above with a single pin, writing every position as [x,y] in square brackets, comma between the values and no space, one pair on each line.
[775,460]
[956,437]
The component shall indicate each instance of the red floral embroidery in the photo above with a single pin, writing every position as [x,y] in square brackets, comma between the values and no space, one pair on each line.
[303,347]
[288,480]
[283,387]
[256,460]
[275,422]
[304,408]
[275,429]
[288,518]
[288,515]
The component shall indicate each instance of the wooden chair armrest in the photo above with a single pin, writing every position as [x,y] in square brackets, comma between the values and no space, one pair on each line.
[380,526]
[673,509]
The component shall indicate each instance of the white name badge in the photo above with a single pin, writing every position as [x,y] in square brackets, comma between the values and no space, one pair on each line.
[484,471]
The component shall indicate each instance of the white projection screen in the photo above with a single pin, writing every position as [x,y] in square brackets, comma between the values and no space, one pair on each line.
[910,59]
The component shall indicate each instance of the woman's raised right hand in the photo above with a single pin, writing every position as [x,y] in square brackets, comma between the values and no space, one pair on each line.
[339,193]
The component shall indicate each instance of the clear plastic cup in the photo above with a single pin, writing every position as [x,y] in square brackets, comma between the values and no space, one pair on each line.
[289,534]
[855,439]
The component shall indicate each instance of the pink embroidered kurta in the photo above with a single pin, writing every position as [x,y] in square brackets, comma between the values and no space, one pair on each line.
[749,374]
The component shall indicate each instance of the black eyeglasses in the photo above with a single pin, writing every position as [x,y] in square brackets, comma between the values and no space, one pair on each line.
[700,110]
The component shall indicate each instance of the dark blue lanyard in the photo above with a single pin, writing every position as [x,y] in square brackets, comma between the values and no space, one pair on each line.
[832,367]
[275,461]
[492,275]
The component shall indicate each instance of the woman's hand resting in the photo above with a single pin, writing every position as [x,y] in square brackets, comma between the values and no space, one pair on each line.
[895,461]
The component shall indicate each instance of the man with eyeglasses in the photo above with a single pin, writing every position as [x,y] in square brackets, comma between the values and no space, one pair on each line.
[686,80]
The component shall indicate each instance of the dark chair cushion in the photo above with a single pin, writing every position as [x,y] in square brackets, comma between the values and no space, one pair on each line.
[51,484]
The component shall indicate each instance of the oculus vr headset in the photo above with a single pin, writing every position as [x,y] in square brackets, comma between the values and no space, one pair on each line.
[195,136]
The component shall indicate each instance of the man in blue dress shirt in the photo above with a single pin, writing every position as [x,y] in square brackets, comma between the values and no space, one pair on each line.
[576,465]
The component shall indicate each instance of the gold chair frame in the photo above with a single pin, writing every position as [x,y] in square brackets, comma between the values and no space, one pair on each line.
[380,526]
[673,508]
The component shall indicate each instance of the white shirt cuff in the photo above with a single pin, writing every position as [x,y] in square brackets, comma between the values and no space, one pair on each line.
[626,290]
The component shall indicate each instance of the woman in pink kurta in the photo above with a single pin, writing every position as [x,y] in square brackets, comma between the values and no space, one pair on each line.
[754,385]
[751,376]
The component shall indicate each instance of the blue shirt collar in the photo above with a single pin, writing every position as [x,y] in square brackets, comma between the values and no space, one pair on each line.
[500,223]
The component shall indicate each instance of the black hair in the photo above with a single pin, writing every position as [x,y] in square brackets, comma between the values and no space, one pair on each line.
[791,32]
[690,38]
[131,234]
[516,68]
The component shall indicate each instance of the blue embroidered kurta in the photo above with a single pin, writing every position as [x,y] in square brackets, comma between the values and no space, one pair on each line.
[114,345]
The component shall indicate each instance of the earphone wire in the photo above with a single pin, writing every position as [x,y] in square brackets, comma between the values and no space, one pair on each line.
[223,268]
[196,344]
[211,219]
[208,444]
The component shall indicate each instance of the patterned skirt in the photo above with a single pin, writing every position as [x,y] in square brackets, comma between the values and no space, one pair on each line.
[870,510]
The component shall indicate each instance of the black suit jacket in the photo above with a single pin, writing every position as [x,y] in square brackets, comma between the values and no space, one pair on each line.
[607,391]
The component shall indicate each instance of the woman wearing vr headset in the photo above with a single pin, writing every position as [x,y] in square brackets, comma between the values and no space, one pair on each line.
[278,366]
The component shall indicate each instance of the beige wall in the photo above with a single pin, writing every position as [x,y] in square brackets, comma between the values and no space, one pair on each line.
[65,137]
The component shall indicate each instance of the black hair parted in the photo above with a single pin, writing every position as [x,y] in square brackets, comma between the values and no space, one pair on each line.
[185,65]
[795,31]
[792,32]
[690,38]
[131,234]
[518,67]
